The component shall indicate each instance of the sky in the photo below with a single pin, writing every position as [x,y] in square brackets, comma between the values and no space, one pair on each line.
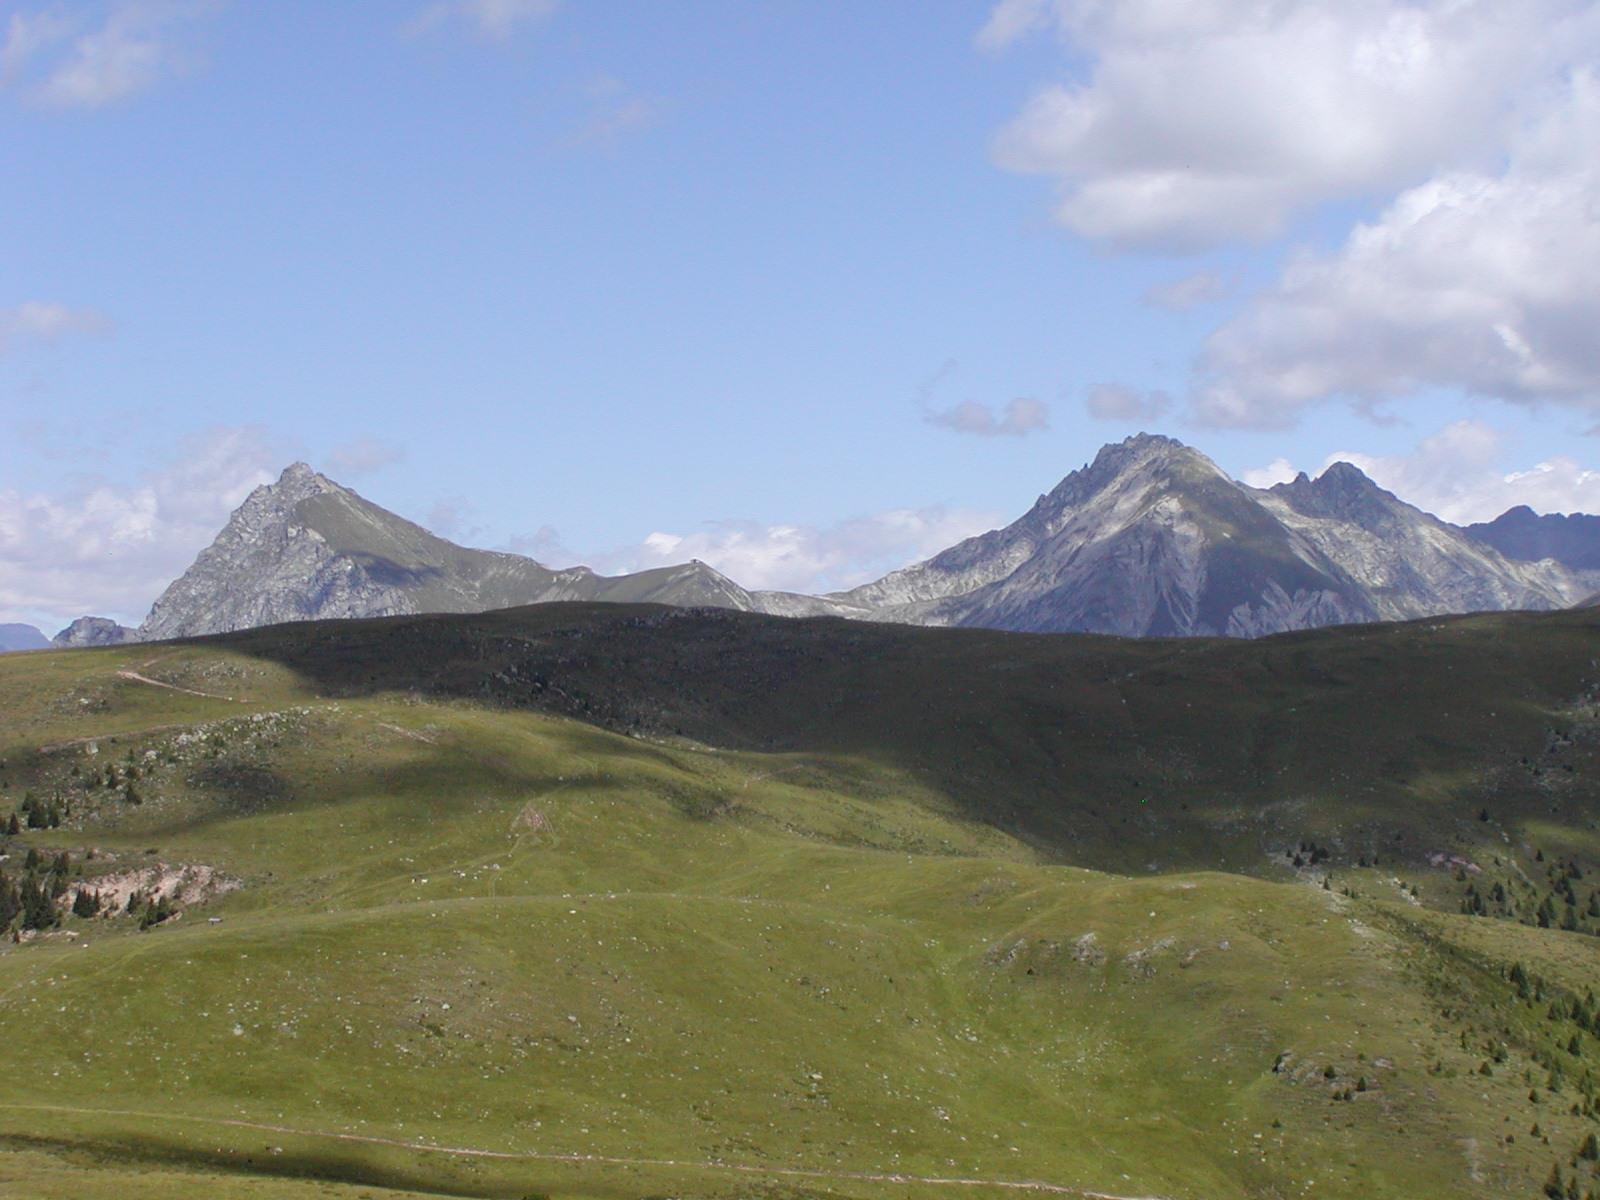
[808,291]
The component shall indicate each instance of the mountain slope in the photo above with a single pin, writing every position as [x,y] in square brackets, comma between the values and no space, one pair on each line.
[93,631]
[1411,564]
[307,548]
[465,945]
[1520,533]
[21,637]
[1152,538]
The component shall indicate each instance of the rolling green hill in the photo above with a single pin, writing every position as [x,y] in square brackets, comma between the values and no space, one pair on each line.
[625,902]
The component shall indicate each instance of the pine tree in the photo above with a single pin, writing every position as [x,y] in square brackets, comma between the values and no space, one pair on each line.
[10,902]
[1590,1148]
[14,827]
[86,903]
[38,909]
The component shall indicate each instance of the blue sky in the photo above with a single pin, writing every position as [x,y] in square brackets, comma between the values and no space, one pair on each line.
[806,290]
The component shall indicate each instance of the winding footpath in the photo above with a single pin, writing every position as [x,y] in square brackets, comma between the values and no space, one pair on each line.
[607,1160]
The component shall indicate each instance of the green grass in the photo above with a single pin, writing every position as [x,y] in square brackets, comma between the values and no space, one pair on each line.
[740,954]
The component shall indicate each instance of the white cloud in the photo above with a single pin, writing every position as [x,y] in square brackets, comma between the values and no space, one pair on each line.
[1201,123]
[1011,20]
[67,61]
[1203,287]
[362,456]
[1019,418]
[1279,470]
[1114,402]
[493,19]
[46,321]
[28,34]
[803,558]
[1460,474]
[109,550]
[1482,283]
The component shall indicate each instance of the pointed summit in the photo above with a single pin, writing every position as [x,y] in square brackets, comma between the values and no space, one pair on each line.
[1344,492]
[308,548]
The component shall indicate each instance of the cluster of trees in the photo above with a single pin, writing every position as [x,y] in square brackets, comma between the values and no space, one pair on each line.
[1559,1185]
[1560,905]
[152,910]
[31,901]
[1309,854]
[36,814]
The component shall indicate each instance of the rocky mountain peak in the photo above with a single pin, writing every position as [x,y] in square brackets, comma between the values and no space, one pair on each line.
[1342,492]
[1144,458]
[94,631]
[299,482]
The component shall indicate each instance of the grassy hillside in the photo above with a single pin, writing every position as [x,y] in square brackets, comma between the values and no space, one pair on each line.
[581,902]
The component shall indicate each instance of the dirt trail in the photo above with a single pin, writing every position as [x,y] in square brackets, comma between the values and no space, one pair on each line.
[138,678]
[958,1181]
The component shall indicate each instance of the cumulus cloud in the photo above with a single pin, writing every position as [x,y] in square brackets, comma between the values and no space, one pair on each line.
[66,60]
[1114,402]
[1483,283]
[1279,470]
[1011,20]
[108,549]
[1197,124]
[803,558]
[362,456]
[1018,418]
[1461,474]
[493,19]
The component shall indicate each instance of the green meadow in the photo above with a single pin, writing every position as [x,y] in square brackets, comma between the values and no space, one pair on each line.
[617,902]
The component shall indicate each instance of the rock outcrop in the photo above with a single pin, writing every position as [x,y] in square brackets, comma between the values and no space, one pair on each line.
[306,548]
[1152,538]
[94,631]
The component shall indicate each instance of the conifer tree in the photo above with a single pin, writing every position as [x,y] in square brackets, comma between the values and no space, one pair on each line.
[38,909]
[10,902]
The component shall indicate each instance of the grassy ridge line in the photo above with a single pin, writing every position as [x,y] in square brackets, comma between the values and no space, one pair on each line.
[376,828]
[895,1177]
[1106,752]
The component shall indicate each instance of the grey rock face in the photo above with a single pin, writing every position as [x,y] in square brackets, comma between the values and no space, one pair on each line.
[94,631]
[21,637]
[1409,563]
[1149,538]
[1153,539]
[1525,536]
[305,548]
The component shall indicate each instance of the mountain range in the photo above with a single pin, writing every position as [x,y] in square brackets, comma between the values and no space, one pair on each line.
[1149,539]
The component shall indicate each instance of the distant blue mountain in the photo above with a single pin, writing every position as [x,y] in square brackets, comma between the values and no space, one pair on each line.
[21,637]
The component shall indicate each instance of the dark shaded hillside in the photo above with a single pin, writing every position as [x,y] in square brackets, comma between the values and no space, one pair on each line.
[1520,533]
[340,889]
[1401,740]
